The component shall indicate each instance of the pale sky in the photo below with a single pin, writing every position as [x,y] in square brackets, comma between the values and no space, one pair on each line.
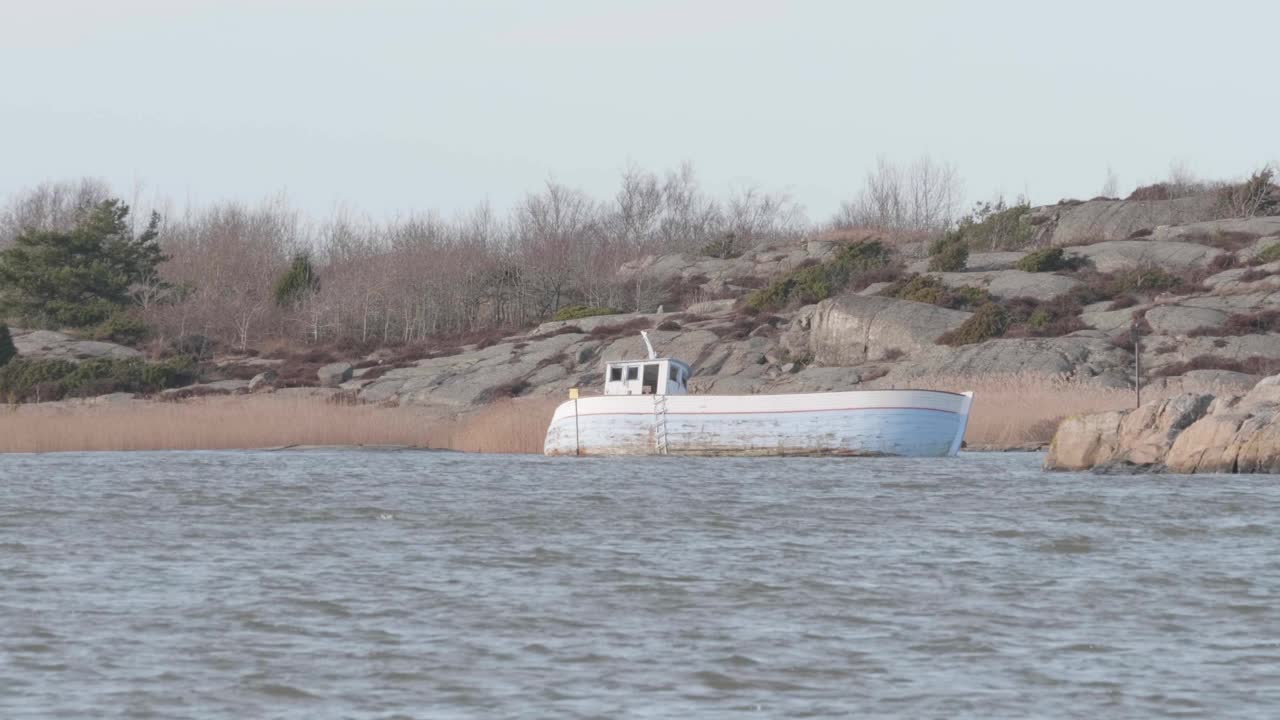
[386,107]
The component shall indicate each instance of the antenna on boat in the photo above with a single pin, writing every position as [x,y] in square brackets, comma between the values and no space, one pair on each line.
[648,345]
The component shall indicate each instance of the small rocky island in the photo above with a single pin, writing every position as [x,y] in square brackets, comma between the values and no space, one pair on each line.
[1187,433]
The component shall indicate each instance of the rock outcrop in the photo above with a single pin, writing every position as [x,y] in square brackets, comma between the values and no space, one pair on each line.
[334,374]
[1011,283]
[1120,255]
[1188,433]
[263,382]
[852,330]
[50,345]
[1070,223]
[1081,358]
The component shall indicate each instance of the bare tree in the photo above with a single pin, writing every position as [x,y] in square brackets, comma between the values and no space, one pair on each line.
[924,195]
[1110,186]
[50,206]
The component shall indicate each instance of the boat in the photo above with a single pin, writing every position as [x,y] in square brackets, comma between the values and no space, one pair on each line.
[646,409]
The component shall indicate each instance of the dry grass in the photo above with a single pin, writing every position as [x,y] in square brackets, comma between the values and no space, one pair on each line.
[512,426]
[265,421]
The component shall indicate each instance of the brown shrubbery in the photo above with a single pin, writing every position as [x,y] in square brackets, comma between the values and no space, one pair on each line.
[1257,323]
[1253,365]
[1124,288]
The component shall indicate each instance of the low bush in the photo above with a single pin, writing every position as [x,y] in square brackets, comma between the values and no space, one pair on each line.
[507,390]
[744,326]
[1049,259]
[997,226]
[1140,282]
[1029,317]
[668,325]
[751,282]
[122,328]
[24,380]
[577,312]
[190,345]
[931,290]
[1256,196]
[684,291]
[351,347]
[1150,279]
[1155,191]
[1122,302]
[1229,240]
[1225,261]
[1258,323]
[1253,275]
[990,321]
[1269,254]
[948,253]
[318,355]
[854,266]
[725,247]
[1016,318]
[1253,365]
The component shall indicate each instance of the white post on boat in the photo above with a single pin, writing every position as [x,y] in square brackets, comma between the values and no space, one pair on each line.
[649,346]
[577,434]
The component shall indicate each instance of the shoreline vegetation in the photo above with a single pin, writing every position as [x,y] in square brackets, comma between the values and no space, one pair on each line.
[464,334]
[1011,413]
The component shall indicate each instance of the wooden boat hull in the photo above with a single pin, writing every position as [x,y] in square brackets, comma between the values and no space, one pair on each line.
[905,423]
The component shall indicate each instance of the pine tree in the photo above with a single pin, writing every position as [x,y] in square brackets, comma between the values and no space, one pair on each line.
[77,278]
[7,350]
[298,282]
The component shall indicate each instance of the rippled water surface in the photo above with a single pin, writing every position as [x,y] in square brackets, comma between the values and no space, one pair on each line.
[362,584]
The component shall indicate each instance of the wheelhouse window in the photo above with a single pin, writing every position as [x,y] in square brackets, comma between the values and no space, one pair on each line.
[615,374]
[633,373]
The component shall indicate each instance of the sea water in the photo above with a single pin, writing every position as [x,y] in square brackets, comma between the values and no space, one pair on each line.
[405,584]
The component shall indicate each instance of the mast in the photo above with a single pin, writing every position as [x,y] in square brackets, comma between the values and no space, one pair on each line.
[648,345]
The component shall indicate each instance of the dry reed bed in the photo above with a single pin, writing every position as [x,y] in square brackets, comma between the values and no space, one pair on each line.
[263,421]
[1007,412]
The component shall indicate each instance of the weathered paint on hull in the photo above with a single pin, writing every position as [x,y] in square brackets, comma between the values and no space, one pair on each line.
[912,423]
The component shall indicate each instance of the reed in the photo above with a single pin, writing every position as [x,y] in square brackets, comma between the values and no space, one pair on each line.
[506,426]
[264,421]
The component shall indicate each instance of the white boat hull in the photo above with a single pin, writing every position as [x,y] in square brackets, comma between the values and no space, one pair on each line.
[906,423]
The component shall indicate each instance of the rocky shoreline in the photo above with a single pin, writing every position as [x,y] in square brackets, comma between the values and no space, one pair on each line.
[1200,293]
[1188,433]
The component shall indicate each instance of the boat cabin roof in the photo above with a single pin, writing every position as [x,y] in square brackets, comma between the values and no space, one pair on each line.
[673,361]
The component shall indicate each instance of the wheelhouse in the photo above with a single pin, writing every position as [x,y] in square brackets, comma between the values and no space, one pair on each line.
[656,376]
